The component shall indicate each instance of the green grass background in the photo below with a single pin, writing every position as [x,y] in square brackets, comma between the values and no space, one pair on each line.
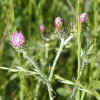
[26,16]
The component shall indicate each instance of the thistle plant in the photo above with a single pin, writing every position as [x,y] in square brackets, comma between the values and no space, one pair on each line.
[54,58]
[17,40]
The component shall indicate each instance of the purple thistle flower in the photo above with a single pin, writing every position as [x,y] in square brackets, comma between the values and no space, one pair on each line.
[42,28]
[83,17]
[59,24]
[17,39]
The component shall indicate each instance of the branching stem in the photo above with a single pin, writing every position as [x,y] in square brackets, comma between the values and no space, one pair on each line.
[56,59]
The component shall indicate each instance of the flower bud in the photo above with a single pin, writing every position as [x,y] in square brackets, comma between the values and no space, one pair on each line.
[59,24]
[42,28]
[83,17]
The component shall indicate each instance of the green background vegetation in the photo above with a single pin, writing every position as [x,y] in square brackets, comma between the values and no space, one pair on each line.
[26,16]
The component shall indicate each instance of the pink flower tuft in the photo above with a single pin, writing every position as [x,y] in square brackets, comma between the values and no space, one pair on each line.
[83,17]
[58,21]
[42,28]
[17,39]
[59,24]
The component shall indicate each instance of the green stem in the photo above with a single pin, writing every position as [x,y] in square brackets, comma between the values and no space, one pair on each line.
[37,90]
[79,41]
[83,95]
[50,91]
[95,35]
[30,15]
[56,59]
[21,76]
[21,87]
[79,47]
[12,15]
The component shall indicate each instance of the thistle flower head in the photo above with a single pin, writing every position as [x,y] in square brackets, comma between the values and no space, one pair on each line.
[59,24]
[17,39]
[83,17]
[42,28]
[58,21]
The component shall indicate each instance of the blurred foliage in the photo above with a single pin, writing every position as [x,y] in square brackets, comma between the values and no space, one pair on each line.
[26,16]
